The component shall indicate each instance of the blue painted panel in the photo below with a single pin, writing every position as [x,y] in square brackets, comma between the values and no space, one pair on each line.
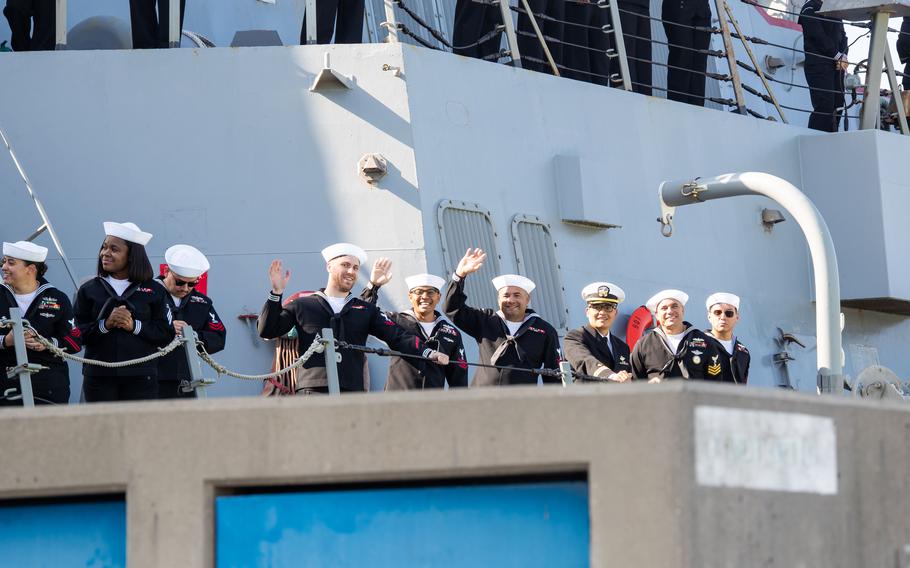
[522,525]
[63,534]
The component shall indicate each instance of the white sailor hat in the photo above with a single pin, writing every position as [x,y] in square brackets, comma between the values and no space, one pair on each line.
[127,231]
[657,298]
[24,250]
[504,280]
[186,261]
[602,292]
[722,298]
[344,249]
[424,280]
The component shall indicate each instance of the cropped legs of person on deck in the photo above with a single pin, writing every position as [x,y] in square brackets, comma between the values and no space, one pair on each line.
[341,18]
[825,44]
[474,20]
[32,24]
[635,17]
[150,26]
[685,74]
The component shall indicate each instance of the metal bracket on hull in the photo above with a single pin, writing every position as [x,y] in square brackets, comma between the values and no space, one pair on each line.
[329,80]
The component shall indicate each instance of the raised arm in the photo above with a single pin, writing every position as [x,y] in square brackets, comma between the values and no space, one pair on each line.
[274,321]
[469,319]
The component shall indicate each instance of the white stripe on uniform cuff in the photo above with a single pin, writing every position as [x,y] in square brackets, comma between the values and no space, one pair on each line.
[427,352]
[274,297]
[101,327]
[138,327]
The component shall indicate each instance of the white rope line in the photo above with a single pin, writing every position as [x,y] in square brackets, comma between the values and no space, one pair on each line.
[315,347]
[59,352]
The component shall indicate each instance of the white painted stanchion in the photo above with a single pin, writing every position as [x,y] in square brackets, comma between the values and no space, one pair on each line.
[22,366]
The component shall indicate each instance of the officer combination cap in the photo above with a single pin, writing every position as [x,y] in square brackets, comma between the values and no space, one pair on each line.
[344,249]
[657,298]
[504,280]
[24,250]
[128,232]
[602,293]
[421,280]
[722,298]
[186,261]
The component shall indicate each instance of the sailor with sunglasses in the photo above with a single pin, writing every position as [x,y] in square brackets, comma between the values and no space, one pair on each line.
[723,314]
[592,349]
[190,307]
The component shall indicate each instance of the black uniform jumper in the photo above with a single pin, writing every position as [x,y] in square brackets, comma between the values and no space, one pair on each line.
[695,358]
[734,368]
[445,338]
[197,311]
[588,352]
[534,345]
[824,39]
[95,301]
[357,320]
[51,314]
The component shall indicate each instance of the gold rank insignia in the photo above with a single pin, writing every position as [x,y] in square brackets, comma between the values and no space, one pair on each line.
[714,367]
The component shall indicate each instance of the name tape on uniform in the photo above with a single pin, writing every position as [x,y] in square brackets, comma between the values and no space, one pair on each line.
[765,450]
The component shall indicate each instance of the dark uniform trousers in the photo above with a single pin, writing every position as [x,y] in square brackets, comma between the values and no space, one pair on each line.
[823,39]
[474,20]
[343,18]
[591,353]
[636,29]
[532,53]
[685,74]
[592,64]
[150,27]
[22,14]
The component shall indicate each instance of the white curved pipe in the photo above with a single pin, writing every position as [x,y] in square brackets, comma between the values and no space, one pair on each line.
[824,260]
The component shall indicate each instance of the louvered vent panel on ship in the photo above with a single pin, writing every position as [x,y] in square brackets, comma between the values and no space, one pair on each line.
[535,251]
[463,226]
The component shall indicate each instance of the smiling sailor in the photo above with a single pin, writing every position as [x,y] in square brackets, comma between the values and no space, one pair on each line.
[422,320]
[592,349]
[122,315]
[49,311]
[352,319]
[189,306]
[723,314]
[674,349]
[514,336]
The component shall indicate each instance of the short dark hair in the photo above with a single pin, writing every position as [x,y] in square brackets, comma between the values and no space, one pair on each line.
[41,268]
[139,268]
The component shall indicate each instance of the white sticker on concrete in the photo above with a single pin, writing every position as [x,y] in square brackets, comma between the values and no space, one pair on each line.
[758,449]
